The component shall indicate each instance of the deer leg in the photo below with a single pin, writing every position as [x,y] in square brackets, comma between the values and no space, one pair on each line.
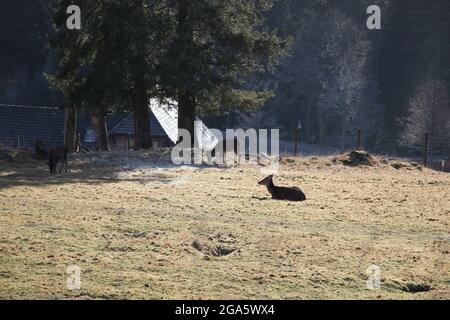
[209,157]
[237,150]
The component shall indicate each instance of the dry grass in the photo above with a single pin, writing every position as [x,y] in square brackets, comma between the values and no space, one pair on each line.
[142,230]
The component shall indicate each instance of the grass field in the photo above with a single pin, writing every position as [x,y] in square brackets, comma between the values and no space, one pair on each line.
[140,228]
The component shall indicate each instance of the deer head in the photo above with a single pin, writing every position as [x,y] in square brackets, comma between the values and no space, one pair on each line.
[266,181]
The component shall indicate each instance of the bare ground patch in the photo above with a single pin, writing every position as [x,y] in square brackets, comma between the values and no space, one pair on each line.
[130,223]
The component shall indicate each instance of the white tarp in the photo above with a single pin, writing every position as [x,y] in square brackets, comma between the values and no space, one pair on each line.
[167,116]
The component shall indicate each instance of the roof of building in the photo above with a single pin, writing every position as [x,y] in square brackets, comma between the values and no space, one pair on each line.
[126,126]
[47,124]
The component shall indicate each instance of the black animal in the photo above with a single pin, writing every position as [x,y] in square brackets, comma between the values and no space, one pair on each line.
[282,193]
[236,149]
[56,154]
[224,145]
[40,150]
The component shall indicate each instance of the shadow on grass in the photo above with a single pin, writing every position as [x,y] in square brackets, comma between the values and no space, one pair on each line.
[93,170]
[36,173]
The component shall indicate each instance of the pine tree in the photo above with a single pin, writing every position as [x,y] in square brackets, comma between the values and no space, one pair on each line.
[68,78]
[210,48]
[110,63]
[121,59]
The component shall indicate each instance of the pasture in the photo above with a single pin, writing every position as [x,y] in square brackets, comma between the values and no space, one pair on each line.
[140,228]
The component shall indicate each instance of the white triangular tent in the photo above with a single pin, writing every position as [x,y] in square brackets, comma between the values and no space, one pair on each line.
[167,115]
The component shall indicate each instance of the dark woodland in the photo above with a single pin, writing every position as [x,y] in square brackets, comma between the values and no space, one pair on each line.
[320,65]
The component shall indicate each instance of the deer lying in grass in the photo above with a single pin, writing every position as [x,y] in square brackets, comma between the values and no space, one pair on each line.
[282,193]
[56,154]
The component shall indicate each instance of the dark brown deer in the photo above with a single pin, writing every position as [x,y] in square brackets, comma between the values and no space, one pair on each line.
[224,145]
[40,150]
[282,193]
[56,154]
[235,149]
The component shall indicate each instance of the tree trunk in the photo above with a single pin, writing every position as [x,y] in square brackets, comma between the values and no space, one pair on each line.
[98,119]
[343,133]
[142,134]
[70,125]
[186,114]
[186,98]
[322,128]
[308,120]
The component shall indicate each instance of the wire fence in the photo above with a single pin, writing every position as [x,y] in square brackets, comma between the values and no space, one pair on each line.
[15,141]
[433,147]
[431,151]
[427,146]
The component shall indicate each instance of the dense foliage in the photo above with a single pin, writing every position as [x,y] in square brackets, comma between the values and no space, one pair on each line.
[216,56]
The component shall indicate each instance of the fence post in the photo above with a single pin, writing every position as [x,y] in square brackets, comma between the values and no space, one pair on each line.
[298,129]
[425,151]
[78,143]
[358,146]
[20,142]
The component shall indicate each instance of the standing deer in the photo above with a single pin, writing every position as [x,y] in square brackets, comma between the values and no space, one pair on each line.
[56,154]
[40,151]
[223,149]
[236,149]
